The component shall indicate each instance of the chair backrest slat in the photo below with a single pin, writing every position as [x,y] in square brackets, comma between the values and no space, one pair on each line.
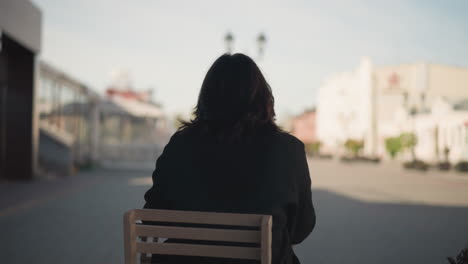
[129,237]
[198,217]
[199,250]
[159,223]
[266,240]
[210,234]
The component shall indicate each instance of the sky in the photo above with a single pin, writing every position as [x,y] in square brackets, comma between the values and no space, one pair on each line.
[168,45]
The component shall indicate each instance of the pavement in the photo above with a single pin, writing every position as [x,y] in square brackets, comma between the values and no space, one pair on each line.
[370,213]
[390,183]
[366,213]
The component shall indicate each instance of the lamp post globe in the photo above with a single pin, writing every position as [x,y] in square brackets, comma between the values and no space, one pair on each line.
[229,39]
[261,40]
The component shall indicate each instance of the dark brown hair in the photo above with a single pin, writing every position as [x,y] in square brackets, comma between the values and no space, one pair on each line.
[235,101]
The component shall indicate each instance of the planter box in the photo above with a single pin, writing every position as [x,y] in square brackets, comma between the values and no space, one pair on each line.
[444,166]
[462,166]
[416,165]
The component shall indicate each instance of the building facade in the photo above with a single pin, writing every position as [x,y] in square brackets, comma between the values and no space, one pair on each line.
[372,103]
[303,126]
[442,132]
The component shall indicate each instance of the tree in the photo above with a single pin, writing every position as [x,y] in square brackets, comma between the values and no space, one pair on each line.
[393,146]
[354,146]
[409,141]
[313,148]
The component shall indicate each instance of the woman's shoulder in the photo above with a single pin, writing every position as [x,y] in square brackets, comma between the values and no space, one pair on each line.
[183,137]
[286,138]
[280,137]
[179,135]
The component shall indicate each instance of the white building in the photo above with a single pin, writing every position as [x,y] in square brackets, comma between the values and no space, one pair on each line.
[444,126]
[372,103]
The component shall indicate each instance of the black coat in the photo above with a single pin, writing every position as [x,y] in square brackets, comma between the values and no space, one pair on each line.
[267,176]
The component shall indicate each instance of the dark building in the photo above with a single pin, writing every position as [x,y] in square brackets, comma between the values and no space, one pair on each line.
[20,42]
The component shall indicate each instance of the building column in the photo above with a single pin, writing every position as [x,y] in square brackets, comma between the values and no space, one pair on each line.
[20,41]
[366,77]
[95,125]
[17,133]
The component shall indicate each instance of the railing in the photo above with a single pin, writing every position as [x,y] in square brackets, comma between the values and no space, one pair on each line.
[69,107]
[129,155]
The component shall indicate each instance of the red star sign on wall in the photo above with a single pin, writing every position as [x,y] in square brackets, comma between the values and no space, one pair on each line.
[394,80]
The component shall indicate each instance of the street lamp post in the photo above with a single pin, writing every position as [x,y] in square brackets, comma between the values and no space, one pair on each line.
[261,40]
[229,39]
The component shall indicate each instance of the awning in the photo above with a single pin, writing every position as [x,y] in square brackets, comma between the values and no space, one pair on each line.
[137,108]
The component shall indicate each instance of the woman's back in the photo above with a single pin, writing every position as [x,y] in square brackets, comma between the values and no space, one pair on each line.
[266,175]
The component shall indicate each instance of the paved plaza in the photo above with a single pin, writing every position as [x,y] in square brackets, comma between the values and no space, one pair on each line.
[369,213]
[366,213]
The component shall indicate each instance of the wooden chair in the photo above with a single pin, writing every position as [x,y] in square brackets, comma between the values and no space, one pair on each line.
[134,229]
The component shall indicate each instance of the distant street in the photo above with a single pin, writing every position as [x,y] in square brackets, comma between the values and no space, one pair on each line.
[366,213]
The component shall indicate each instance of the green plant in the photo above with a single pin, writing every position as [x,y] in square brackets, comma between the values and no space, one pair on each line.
[354,146]
[409,141]
[313,148]
[393,146]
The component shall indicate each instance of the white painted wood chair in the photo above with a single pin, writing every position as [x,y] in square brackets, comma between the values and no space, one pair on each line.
[134,230]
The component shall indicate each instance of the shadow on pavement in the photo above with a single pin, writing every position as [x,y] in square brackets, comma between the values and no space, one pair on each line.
[352,231]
